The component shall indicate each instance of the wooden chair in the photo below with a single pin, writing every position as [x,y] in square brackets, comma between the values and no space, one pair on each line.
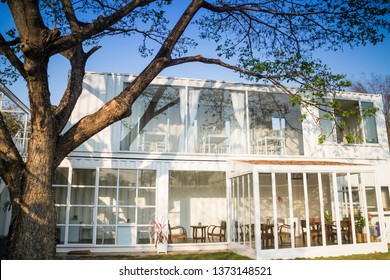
[315,230]
[331,231]
[267,235]
[176,232]
[346,231]
[284,232]
[214,231]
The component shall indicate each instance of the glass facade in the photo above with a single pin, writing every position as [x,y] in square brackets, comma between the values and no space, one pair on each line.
[212,121]
[304,209]
[104,206]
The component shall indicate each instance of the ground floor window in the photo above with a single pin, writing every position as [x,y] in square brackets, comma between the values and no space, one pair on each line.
[197,206]
[104,205]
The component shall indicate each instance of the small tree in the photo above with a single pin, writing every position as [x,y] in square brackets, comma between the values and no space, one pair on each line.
[270,41]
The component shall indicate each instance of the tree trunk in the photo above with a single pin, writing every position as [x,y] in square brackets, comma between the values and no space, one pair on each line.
[32,229]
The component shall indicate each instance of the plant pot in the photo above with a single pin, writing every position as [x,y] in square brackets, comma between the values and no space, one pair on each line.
[162,247]
[361,237]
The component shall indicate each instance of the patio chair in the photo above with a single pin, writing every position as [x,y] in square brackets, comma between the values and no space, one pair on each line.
[315,230]
[176,232]
[331,232]
[267,235]
[346,231]
[284,232]
[215,231]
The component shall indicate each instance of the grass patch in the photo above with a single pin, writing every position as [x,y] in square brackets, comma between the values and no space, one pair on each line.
[194,256]
[221,255]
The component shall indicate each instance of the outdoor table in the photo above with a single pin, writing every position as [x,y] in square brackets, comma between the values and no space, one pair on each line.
[199,229]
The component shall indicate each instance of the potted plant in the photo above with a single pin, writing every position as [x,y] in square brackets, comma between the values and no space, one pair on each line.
[360,224]
[158,230]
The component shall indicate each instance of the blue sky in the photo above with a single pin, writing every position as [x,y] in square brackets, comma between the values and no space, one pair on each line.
[119,56]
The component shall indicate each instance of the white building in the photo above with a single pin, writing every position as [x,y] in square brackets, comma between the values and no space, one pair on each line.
[199,153]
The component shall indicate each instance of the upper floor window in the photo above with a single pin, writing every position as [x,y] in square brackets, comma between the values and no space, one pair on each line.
[353,122]
[178,119]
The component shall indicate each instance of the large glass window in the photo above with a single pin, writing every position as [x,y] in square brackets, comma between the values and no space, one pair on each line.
[369,122]
[275,126]
[197,198]
[60,189]
[207,120]
[155,124]
[352,119]
[116,210]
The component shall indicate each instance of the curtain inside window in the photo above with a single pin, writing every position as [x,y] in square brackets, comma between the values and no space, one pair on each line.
[237,141]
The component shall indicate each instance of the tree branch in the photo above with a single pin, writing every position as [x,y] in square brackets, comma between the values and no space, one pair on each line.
[8,151]
[94,28]
[11,56]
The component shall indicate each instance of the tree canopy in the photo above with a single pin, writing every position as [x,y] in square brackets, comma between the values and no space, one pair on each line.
[269,40]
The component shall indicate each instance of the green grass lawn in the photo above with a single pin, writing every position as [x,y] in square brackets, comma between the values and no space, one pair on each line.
[225,255]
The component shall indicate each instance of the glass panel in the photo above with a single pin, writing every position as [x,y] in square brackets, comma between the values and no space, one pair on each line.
[266,211]
[108,177]
[359,209]
[329,209]
[79,234]
[344,208]
[269,131]
[153,125]
[127,196]
[369,122]
[86,234]
[107,196]
[214,121]
[61,214]
[83,177]
[285,225]
[351,133]
[235,225]
[196,197]
[60,195]
[127,178]
[82,196]
[372,206]
[298,196]
[125,235]
[81,215]
[60,235]
[105,235]
[61,176]
[143,236]
[146,197]
[145,215]
[106,215]
[385,198]
[147,178]
[314,209]
[126,215]
[326,123]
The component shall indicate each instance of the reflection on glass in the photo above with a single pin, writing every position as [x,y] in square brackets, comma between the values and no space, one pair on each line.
[105,235]
[108,177]
[106,215]
[61,176]
[83,177]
